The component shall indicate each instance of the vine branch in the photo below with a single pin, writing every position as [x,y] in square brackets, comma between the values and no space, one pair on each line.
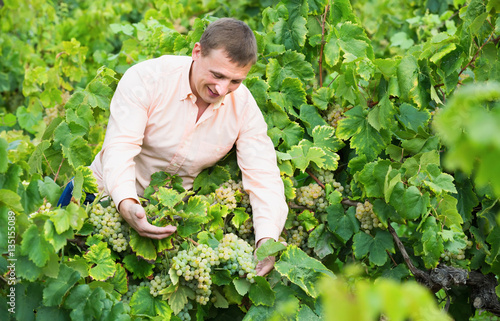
[323,22]
[482,286]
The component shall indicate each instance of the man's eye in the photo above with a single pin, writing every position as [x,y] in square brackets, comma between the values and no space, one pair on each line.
[217,76]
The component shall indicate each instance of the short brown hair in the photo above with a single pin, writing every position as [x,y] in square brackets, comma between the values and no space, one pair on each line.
[234,36]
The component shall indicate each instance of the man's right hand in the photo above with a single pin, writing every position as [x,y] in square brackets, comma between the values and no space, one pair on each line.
[135,215]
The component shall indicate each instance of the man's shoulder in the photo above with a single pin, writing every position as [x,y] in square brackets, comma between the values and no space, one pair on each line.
[243,96]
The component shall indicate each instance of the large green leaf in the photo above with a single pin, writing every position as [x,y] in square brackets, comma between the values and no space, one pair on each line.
[142,246]
[291,32]
[289,65]
[56,288]
[375,247]
[144,303]
[35,246]
[260,292]
[102,265]
[364,138]
[302,270]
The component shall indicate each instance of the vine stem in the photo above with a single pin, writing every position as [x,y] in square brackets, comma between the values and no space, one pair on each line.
[315,178]
[58,170]
[476,54]
[419,274]
[46,160]
[323,22]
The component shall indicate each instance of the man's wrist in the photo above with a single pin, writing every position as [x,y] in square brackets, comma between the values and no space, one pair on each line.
[262,241]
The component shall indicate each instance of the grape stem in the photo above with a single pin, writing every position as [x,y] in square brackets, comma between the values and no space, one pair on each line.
[315,178]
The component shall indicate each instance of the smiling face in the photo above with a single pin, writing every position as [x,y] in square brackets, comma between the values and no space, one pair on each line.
[214,75]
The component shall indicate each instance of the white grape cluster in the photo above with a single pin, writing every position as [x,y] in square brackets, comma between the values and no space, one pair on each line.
[366,216]
[109,223]
[166,259]
[236,256]
[194,266]
[312,196]
[232,195]
[246,233]
[297,235]
[324,176]
[158,283]
[333,115]
[459,255]
[327,177]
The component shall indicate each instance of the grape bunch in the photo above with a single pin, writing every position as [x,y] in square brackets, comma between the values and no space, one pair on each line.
[324,176]
[312,196]
[236,256]
[245,232]
[232,195]
[366,216]
[109,223]
[194,266]
[297,235]
[334,114]
[160,282]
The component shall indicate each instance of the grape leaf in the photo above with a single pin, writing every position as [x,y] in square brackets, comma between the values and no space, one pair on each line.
[36,246]
[290,64]
[374,247]
[365,139]
[102,266]
[142,246]
[260,292]
[268,248]
[342,225]
[304,153]
[140,268]
[291,32]
[302,270]
[56,288]
[210,179]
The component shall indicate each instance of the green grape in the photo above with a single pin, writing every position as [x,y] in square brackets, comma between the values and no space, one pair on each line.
[334,114]
[312,196]
[109,223]
[246,233]
[232,195]
[366,216]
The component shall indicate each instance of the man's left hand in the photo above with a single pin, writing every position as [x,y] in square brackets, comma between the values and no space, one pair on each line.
[266,265]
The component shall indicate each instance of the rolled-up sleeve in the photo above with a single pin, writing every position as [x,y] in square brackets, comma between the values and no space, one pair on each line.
[260,174]
[124,136]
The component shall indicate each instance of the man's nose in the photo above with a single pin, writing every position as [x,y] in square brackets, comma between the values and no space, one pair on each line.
[222,87]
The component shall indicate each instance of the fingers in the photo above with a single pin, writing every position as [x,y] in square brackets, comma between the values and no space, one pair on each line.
[135,215]
[265,266]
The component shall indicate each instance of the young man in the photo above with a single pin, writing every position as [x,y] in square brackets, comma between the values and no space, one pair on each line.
[183,114]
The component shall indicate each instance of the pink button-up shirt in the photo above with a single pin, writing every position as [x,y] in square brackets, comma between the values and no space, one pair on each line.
[153,127]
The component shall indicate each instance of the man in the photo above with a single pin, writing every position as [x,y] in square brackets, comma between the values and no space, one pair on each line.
[183,114]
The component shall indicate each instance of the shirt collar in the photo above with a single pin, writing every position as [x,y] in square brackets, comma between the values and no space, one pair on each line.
[185,91]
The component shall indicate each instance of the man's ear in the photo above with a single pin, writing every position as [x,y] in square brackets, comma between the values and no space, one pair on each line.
[196,54]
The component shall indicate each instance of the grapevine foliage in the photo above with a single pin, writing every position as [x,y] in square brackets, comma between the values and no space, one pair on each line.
[385,118]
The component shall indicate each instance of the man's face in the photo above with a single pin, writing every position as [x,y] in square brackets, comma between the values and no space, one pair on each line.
[213,76]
